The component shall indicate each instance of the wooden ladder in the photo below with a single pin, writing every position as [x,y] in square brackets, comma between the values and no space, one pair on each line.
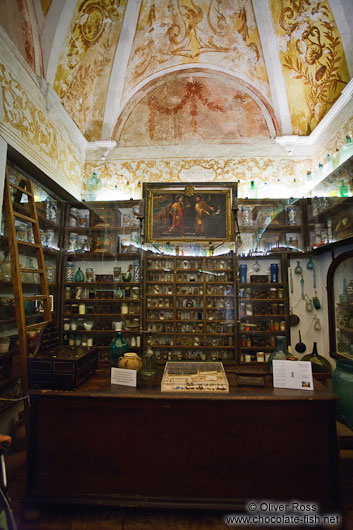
[13,193]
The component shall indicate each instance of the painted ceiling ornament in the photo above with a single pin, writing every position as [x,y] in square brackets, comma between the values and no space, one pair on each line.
[92,26]
[193,94]
[184,28]
[314,54]
[189,191]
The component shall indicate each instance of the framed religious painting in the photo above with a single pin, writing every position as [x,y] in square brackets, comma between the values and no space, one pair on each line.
[189,212]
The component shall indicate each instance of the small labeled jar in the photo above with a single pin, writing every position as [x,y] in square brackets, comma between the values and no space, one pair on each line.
[69,271]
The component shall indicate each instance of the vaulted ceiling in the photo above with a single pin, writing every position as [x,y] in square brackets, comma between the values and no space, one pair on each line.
[162,73]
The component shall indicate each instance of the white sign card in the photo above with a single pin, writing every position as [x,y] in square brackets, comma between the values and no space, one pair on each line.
[123,376]
[293,374]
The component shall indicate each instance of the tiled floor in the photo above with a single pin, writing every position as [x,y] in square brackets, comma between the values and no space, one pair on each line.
[102,518]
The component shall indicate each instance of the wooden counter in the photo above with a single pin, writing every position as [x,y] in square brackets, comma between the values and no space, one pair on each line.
[107,444]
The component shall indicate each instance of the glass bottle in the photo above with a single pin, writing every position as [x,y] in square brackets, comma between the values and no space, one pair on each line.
[29,277]
[336,159]
[118,347]
[343,189]
[149,361]
[6,269]
[280,353]
[319,363]
[252,190]
[329,165]
[346,150]
[79,276]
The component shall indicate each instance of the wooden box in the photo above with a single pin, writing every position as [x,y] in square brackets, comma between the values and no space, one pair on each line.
[59,367]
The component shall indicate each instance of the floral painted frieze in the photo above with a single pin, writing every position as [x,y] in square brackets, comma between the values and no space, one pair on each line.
[32,128]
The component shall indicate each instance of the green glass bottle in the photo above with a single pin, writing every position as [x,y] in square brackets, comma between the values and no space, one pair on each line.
[79,276]
[319,363]
[252,190]
[118,347]
[149,362]
[280,353]
[343,189]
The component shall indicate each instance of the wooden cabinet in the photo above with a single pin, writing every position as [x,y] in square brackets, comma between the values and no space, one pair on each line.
[101,275]
[190,307]
[263,306]
[49,208]
[141,447]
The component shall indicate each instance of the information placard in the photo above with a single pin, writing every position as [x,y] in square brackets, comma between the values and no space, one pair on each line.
[293,374]
[123,376]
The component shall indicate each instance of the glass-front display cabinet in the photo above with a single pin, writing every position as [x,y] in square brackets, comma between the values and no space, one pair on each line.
[270,225]
[330,208]
[101,268]
[340,305]
[191,307]
[262,306]
[49,210]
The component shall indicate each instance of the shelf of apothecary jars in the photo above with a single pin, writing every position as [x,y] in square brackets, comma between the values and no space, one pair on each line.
[97,256]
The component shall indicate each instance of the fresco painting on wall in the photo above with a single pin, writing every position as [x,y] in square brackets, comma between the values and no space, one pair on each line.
[194,107]
[200,212]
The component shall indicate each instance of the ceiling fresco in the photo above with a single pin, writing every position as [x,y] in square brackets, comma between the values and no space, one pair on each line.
[20,33]
[149,73]
[85,64]
[312,57]
[178,32]
[194,107]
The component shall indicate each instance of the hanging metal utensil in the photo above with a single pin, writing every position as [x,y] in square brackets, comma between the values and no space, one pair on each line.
[293,319]
[300,346]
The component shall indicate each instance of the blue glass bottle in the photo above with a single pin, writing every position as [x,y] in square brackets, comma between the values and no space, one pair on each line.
[242,273]
[274,272]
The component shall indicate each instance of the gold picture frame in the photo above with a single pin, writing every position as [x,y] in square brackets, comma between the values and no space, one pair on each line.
[193,212]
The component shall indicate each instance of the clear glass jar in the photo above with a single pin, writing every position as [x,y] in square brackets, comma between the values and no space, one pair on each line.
[280,352]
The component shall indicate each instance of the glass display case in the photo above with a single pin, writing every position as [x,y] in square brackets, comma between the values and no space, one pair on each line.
[194,377]
[101,288]
[330,208]
[262,306]
[340,305]
[49,211]
[270,225]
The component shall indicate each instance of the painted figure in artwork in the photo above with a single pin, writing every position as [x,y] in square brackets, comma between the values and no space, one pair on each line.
[201,209]
[177,212]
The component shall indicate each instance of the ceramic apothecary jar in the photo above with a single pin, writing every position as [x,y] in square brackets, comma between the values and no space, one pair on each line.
[131,361]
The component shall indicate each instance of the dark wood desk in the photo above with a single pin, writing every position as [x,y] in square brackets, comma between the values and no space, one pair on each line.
[113,445]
